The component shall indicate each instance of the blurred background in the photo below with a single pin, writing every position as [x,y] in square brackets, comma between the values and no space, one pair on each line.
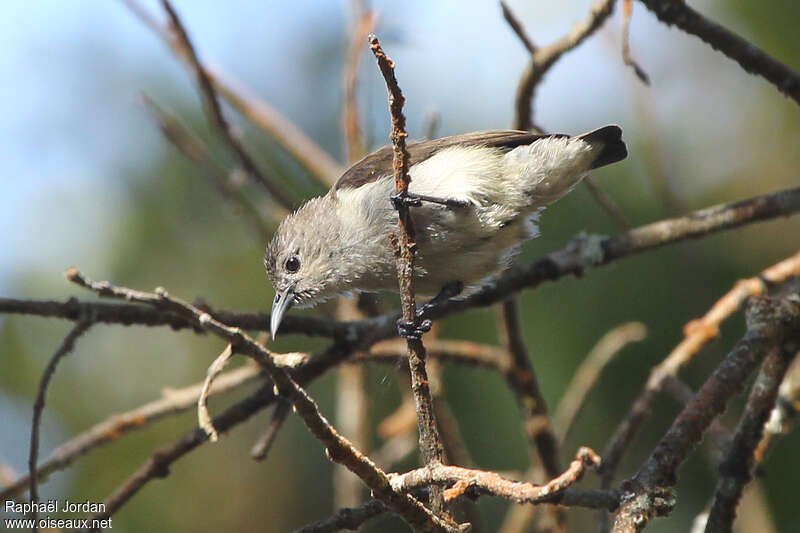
[87,179]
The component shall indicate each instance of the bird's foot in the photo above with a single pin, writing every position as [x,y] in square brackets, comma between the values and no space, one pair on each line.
[421,324]
[413,330]
[410,199]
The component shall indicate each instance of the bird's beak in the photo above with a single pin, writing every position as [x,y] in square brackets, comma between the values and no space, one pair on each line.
[283,301]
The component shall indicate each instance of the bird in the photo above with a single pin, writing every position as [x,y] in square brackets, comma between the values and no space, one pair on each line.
[477,197]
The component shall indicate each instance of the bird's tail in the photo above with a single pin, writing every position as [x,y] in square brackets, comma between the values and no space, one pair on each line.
[609,140]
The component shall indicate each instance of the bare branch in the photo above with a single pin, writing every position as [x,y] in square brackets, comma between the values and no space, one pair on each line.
[583,252]
[648,493]
[751,58]
[173,402]
[545,57]
[203,416]
[65,348]
[291,138]
[627,12]
[464,480]
[350,518]
[430,442]
[698,333]
[522,379]
[517,27]
[263,445]
[736,469]
[606,203]
[338,448]
[355,147]
[785,412]
[214,111]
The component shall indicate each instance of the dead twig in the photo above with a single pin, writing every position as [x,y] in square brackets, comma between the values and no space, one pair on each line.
[464,480]
[627,12]
[203,417]
[751,58]
[737,468]
[173,401]
[546,56]
[522,378]
[697,334]
[430,442]
[263,445]
[214,111]
[648,493]
[67,345]
[225,182]
[338,448]
[291,138]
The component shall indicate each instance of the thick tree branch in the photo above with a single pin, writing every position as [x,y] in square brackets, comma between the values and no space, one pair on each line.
[648,493]
[736,469]
[751,58]
[697,334]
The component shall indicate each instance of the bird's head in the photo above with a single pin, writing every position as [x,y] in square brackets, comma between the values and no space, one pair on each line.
[300,260]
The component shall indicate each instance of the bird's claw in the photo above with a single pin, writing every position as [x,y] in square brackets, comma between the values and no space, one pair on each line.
[413,330]
[422,324]
[410,199]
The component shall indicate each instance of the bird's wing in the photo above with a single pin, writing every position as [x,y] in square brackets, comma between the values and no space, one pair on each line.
[379,164]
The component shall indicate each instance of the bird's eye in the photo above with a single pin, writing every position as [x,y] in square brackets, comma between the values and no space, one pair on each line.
[292,264]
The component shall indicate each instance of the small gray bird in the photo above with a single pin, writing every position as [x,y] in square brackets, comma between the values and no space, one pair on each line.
[481,194]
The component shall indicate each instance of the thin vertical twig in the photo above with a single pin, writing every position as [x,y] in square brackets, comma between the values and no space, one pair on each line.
[430,442]
[65,348]
[522,378]
[627,12]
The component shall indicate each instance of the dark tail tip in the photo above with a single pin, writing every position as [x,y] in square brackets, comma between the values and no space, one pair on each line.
[609,139]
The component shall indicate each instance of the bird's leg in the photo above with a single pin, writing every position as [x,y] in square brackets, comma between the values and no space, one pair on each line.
[410,199]
[421,324]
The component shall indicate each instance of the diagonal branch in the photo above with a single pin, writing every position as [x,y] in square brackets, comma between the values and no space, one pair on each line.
[214,111]
[698,333]
[337,448]
[736,469]
[648,494]
[290,137]
[196,151]
[751,58]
